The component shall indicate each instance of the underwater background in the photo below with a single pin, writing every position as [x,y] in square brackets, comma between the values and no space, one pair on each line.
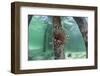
[40,45]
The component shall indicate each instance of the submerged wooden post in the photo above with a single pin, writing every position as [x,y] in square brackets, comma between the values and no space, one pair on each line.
[58,38]
[83,26]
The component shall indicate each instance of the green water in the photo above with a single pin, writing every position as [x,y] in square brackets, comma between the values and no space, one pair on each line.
[40,45]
